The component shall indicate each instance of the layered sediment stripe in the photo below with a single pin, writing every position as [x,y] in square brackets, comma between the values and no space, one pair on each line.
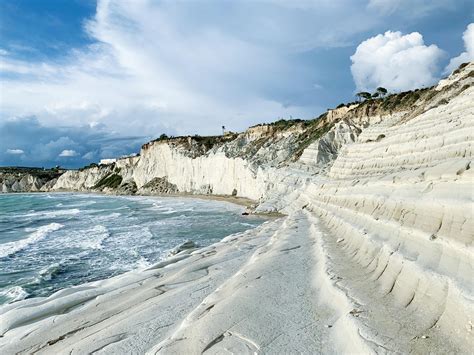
[376,257]
[400,303]
[437,136]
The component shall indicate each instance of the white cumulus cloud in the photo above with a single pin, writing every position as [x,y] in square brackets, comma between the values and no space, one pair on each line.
[468,55]
[15,151]
[68,153]
[395,61]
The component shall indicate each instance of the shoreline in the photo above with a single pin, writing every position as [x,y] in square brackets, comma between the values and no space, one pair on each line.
[241,201]
[168,257]
[90,299]
[248,203]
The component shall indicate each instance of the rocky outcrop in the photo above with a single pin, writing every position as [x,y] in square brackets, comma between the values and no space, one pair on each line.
[325,150]
[127,188]
[83,180]
[338,113]
[158,186]
[17,179]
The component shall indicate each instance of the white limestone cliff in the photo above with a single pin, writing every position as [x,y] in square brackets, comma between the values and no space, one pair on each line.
[375,253]
[26,179]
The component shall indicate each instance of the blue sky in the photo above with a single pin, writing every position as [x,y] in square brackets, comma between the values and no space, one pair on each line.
[83,80]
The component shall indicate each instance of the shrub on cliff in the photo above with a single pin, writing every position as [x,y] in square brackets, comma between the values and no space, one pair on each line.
[91,165]
[112,180]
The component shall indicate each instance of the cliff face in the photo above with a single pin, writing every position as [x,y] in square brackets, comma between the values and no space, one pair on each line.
[16,179]
[252,163]
[395,209]
[240,165]
[375,253]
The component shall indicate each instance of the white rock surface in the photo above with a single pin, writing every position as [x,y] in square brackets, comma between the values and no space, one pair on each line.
[374,256]
[326,149]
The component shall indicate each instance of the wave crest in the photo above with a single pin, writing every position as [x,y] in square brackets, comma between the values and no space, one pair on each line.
[11,248]
[13,294]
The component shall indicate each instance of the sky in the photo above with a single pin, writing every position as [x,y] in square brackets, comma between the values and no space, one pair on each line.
[83,80]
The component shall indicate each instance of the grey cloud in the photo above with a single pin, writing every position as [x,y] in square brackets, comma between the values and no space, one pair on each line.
[46,146]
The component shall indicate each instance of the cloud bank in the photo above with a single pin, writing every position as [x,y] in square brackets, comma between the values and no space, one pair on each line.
[396,62]
[157,67]
[190,67]
[25,141]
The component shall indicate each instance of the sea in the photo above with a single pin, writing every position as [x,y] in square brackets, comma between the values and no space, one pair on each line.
[49,241]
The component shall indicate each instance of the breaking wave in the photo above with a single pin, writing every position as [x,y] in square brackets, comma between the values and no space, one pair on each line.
[13,294]
[52,214]
[49,243]
[11,248]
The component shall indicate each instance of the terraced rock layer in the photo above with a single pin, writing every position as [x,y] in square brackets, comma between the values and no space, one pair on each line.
[374,255]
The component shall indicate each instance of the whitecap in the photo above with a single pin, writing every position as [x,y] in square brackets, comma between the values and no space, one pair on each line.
[82,203]
[48,214]
[10,248]
[246,224]
[50,271]
[13,294]
[143,263]
[95,237]
[168,211]
[106,217]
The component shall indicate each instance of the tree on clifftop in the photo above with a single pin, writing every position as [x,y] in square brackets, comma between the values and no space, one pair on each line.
[363,95]
[381,91]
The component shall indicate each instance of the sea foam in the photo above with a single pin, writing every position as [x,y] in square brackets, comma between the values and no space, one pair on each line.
[52,214]
[13,294]
[10,248]
[95,237]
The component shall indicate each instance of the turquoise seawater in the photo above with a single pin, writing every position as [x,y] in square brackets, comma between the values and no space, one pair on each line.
[51,241]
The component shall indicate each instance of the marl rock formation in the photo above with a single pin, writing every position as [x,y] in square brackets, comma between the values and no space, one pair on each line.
[374,255]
